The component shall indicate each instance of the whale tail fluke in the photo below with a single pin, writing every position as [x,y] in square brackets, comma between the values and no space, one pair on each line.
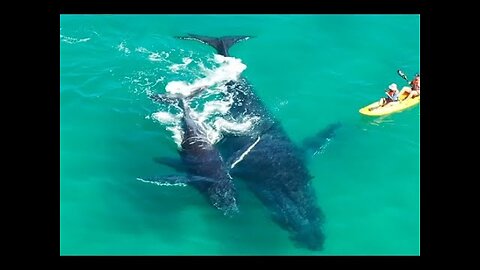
[221,44]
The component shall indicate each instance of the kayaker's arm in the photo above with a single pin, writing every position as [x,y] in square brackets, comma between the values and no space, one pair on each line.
[386,93]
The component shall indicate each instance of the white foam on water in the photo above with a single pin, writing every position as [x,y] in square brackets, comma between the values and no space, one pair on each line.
[156,57]
[162,183]
[142,50]
[153,56]
[214,107]
[214,113]
[72,40]
[177,135]
[123,48]
[172,123]
[215,130]
[164,117]
[222,125]
[179,87]
[229,70]
[176,67]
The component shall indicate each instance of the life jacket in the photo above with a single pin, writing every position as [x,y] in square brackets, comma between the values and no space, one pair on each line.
[415,83]
[393,95]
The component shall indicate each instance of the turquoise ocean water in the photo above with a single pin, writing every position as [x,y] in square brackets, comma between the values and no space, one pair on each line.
[310,71]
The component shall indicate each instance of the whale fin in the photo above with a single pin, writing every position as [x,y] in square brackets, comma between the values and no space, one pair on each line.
[317,143]
[221,44]
[163,98]
[171,162]
[175,98]
[240,155]
[175,180]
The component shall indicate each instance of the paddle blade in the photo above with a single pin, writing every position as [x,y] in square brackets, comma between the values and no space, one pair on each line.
[401,74]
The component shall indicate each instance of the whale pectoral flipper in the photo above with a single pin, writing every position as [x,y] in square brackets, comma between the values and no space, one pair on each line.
[319,141]
[176,164]
[238,156]
[174,180]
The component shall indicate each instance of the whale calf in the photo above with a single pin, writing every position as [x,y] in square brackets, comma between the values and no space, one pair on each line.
[203,163]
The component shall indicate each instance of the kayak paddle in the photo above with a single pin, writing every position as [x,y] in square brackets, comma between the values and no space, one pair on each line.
[401,74]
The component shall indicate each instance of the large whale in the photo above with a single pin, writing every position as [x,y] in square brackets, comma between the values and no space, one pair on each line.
[205,167]
[275,168]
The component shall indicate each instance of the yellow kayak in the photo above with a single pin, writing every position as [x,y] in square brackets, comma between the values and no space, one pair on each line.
[391,107]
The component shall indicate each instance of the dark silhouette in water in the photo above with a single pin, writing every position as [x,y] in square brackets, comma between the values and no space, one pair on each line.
[274,168]
[206,169]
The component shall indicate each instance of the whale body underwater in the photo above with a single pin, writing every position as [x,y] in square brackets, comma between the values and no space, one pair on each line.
[275,168]
[205,167]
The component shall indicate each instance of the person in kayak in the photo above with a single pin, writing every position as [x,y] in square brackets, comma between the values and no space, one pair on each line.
[414,89]
[392,96]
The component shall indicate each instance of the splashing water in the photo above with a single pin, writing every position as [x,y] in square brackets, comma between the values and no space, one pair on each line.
[72,40]
[214,114]
[153,56]
[162,183]
[229,70]
[123,48]
[176,67]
